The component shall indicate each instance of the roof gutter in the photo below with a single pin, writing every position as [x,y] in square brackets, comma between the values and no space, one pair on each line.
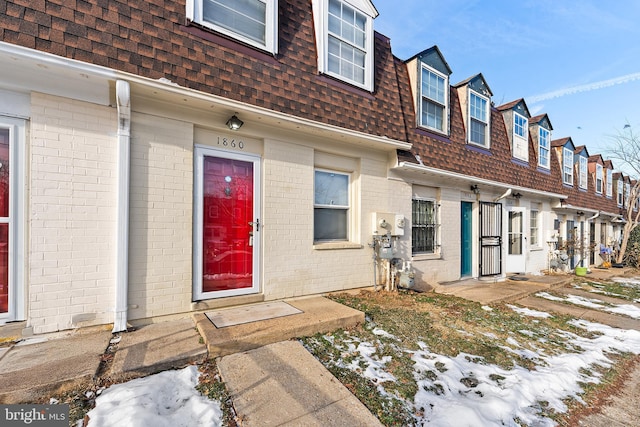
[412,167]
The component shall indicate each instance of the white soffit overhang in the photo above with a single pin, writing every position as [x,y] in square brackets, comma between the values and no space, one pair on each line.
[23,70]
[447,178]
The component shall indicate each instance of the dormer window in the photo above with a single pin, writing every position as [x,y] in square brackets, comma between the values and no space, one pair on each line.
[520,146]
[434,92]
[609,183]
[254,22]
[583,172]
[543,147]
[599,178]
[620,192]
[479,119]
[567,166]
[344,33]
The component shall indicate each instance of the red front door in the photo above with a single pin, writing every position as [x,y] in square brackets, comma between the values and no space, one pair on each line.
[227,224]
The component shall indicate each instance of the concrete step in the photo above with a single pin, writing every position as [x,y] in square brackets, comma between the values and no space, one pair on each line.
[318,315]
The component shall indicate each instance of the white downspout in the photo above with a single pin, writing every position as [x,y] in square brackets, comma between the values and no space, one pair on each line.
[123,102]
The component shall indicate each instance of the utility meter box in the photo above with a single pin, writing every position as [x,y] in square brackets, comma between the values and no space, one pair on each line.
[385,222]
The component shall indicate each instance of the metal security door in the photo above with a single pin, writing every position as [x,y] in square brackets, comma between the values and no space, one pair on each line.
[490,238]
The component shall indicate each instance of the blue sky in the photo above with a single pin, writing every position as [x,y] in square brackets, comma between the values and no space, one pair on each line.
[577,61]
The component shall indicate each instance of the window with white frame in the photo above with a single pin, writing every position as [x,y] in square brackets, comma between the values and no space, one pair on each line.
[331,206]
[344,35]
[543,147]
[478,119]
[583,172]
[609,183]
[520,146]
[254,22]
[534,227]
[620,191]
[599,178]
[424,227]
[434,90]
[627,193]
[567,166]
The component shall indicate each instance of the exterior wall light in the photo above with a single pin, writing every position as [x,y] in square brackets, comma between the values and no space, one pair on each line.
[475,189]
[234,122]
[517,195]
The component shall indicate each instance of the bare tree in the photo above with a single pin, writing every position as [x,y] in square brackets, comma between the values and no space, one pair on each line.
[625,152]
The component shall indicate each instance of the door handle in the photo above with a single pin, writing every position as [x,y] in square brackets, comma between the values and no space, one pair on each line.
[256,224]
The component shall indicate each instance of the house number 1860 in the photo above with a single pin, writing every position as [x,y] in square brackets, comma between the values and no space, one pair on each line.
[226,142]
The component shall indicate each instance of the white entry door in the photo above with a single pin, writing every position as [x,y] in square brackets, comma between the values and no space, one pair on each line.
[516,240]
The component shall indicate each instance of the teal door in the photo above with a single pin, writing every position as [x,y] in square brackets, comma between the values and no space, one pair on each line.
[466,209]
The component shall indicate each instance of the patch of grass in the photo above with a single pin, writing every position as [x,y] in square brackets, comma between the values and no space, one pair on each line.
[445,325]
[626,291]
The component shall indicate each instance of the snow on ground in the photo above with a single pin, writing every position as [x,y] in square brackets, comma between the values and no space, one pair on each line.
[466,391]
[167,399]
[625,309]
[529,312]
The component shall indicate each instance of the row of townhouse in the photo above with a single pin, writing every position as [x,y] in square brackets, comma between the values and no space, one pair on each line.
[160,157]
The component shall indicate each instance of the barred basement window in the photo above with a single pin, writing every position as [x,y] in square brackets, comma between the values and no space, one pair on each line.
[424,227]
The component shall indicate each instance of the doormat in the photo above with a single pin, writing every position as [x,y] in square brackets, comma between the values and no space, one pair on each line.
[250,313]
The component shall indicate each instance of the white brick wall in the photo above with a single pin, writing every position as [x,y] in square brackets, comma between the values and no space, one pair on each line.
[72,184]
[292,266]
[161,208]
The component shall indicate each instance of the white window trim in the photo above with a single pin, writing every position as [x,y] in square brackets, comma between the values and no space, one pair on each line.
[599,178]
[487,133]
[349,207]
[548,148]
[583,172]
[194,13]
[567,166]
[627,193]
[609,183]
[537,231]
[524,138]
[619,193]
[445,112]
[17,144]
[321,21]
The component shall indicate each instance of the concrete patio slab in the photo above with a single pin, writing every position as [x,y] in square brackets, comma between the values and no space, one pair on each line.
[157,347]
[39,366]
[319,314]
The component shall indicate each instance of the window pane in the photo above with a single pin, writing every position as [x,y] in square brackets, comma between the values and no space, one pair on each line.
[331,189]
[346,42]
[520,125]
[478,132]
[478,108]
[432,115]
[245,17]
[330,224]
[4,268]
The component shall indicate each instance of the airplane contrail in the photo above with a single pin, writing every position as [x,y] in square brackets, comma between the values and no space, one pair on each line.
[584,88]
